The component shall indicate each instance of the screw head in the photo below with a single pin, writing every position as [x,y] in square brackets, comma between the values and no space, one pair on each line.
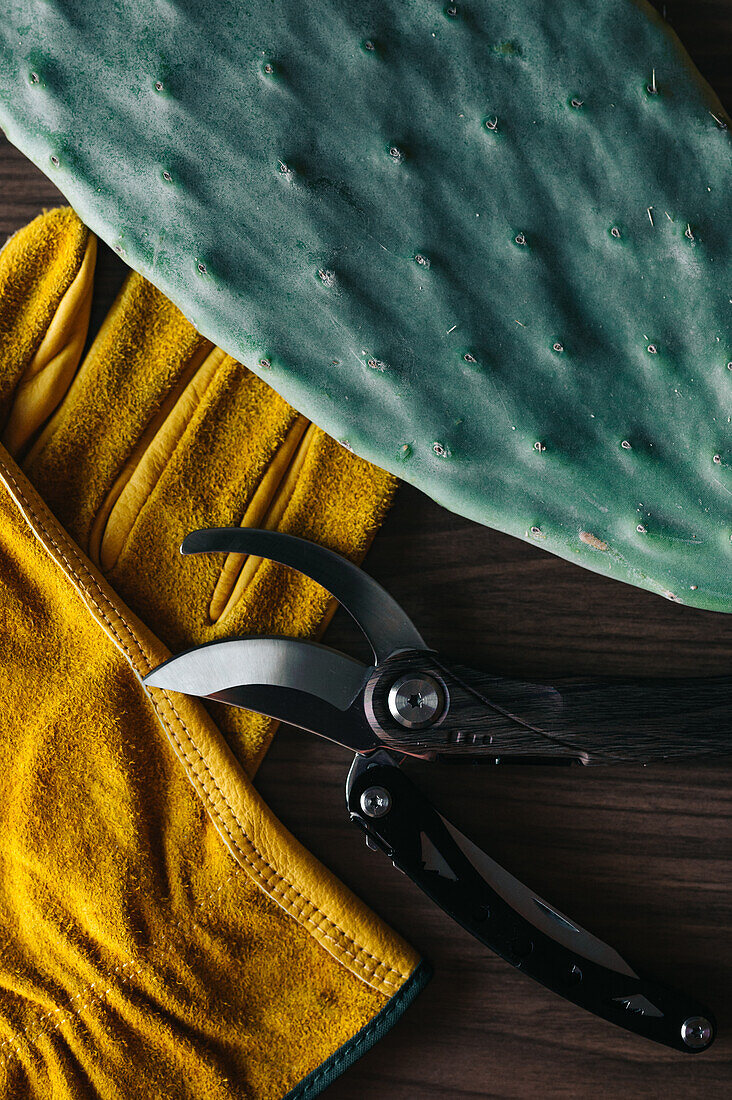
[416,701]
[696,1032]
[375,801]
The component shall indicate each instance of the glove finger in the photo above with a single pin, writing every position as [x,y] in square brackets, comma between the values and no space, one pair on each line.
[143,356]
[133,485]
[46,282]
[263,510]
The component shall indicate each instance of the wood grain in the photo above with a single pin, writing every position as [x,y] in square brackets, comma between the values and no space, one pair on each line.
[641,856]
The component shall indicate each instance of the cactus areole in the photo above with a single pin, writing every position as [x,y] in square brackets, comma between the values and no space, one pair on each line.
[487,246]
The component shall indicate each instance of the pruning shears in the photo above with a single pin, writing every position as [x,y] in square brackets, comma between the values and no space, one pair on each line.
[412,703]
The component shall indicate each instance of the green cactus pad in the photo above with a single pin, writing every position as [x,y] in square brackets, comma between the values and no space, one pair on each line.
[487,245]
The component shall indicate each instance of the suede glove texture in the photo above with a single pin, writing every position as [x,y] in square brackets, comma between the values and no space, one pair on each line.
[162,934]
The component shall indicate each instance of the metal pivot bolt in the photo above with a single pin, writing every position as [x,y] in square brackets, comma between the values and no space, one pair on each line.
[696,1032]
[375,801]
[416,701]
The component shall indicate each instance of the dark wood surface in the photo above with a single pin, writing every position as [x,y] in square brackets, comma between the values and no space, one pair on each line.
[640,856]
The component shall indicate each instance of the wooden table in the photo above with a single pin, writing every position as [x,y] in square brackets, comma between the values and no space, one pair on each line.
[640,856]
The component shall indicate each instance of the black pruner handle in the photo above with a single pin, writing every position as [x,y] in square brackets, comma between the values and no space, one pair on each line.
[400,821]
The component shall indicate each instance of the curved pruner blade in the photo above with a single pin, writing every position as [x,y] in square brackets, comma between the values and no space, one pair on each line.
[303,683]
[386,625]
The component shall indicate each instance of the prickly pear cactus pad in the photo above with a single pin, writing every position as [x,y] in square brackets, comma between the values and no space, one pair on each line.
[486,245]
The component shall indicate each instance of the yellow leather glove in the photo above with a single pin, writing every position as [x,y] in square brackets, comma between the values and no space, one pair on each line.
[162,934]
[157,433]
